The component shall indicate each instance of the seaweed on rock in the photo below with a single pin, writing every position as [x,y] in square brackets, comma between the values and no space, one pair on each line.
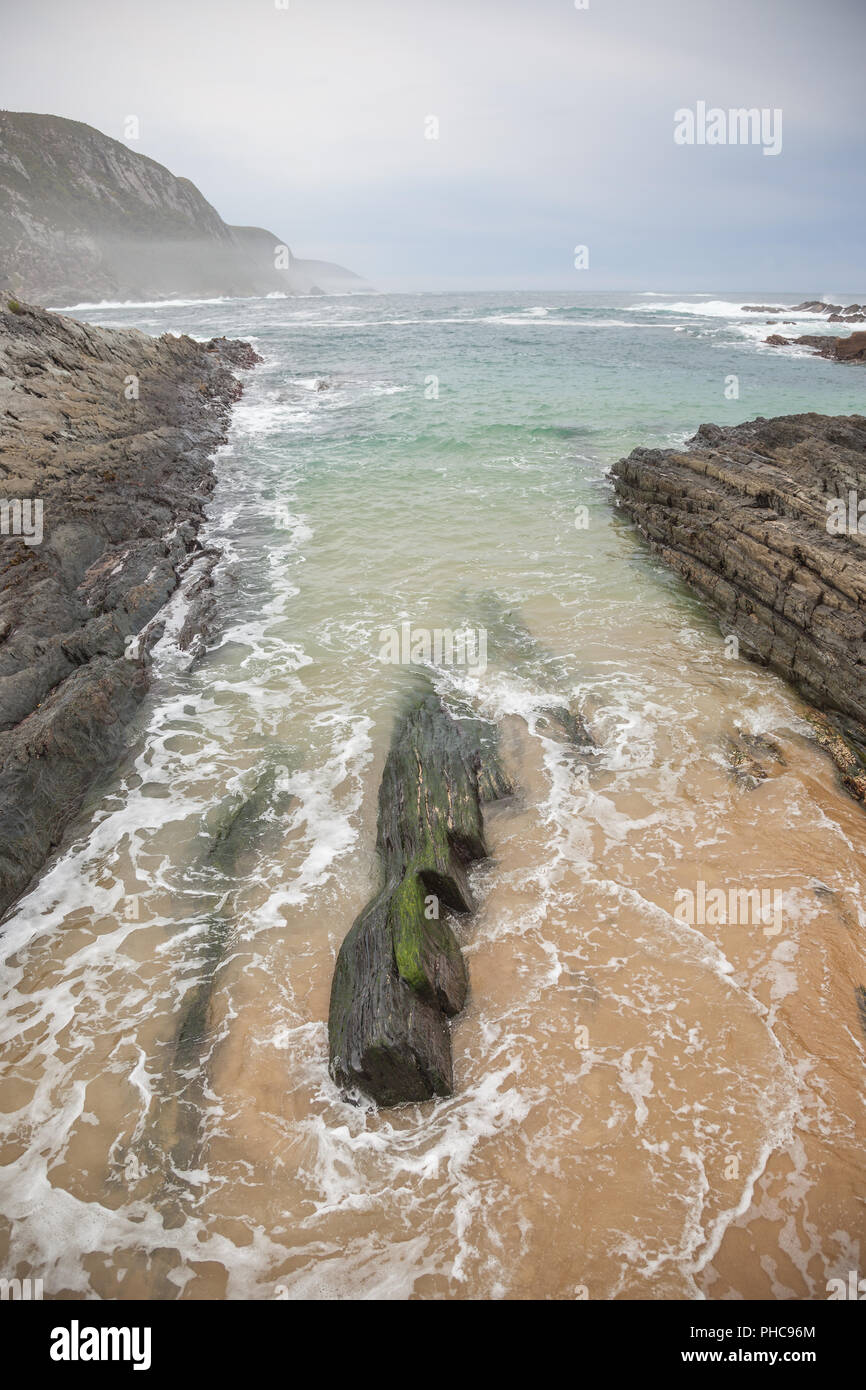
[400,974]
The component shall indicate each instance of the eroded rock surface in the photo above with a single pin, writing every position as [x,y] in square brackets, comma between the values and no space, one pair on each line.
[743,514]
[107,437]
[850,349]
[400,974]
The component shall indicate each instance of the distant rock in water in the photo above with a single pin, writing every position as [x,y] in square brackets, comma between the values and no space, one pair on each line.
[850,349]
[836,313]
[817,306]
[400,974]
[84,218]
[749,516]
[107,438]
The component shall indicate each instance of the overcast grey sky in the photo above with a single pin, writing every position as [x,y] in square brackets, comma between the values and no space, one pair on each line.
[555,130]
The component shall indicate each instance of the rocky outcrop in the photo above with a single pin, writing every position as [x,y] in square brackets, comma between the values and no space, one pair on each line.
[817,306]
[850,349]
[747,756]
[106,442]
[400,974]
[836,313]
[85,218]
[748,516]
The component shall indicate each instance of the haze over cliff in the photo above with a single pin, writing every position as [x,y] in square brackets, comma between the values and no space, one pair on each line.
[84,218]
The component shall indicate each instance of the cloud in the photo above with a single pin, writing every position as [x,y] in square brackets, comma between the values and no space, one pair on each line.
[555,125]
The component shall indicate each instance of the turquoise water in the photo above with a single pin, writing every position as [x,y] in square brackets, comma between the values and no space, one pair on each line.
[426,459]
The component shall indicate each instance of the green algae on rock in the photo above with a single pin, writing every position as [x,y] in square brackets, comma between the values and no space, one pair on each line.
[400,974]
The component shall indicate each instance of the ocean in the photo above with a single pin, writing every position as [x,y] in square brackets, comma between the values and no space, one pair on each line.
[644,1107]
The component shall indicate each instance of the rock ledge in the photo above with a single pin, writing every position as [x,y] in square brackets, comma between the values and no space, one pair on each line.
[106,439]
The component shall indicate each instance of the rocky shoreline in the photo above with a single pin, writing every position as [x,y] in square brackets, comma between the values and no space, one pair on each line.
[106,449]
[832,346]
[750,516]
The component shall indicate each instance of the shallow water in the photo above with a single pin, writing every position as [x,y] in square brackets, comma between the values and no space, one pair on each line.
[643,1107]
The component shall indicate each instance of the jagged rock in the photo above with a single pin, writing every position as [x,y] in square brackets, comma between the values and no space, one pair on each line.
[816,306]
[850,349]
[482,741]
[741,514]
[200,620]
[573,726]
[400,974]
[843,739]
[122,481]
[836,312]
[744,751]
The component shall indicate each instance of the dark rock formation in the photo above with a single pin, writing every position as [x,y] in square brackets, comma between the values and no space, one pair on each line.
[817,306]
[85,218]
[747,756]
[850,313]
[573,726]
[743,515]
[400,974]
[851,349]
[111,433]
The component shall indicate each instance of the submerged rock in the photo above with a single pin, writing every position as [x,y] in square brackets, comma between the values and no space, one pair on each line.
[572,724]
[741,514]
[747,755]
[400,974]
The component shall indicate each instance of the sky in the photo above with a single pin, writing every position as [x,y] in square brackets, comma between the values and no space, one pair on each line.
[555,130]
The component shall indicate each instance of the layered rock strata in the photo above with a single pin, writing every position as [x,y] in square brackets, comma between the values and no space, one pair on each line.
[107,440]
[764,521]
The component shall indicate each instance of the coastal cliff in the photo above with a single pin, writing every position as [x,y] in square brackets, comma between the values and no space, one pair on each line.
[106,446]
[83,218]
[763,520]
